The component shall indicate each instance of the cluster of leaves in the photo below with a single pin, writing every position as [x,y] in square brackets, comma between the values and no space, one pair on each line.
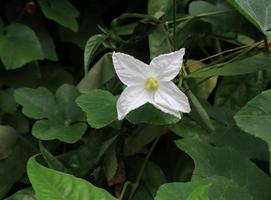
[59,133]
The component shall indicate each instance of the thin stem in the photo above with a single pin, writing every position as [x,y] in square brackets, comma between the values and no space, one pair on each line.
[142,170]
[174,24]
[226,51]
[266,44]
[200,15]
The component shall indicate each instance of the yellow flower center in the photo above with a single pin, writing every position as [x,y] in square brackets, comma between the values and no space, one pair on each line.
[151,83]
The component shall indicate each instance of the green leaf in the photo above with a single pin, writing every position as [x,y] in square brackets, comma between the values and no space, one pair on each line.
[8,138]
[159,41]
[53,185]
[12,168]
[100,107]
[227,162]
[255,117]
[99,74]
[218,187]
[188,128]
[248,86]
[58,117]
[225,15]
[200,192]
[245,66]
[18,46]
[150,115]
[61,11]
[24,194]
[91,48]
[246,144]
[256,11]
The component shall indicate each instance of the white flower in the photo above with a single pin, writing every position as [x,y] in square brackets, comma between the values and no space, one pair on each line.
[150,83]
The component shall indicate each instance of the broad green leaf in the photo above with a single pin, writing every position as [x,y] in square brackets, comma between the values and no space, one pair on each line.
[250,146]
[18,46]
[224,15]
[92,46]
[24,194]
[256,11]
[7,102]
[53,185]
[248,86]
[227,162]
[188,128]
[100,107]
[58,117]
[245,66]
[200,192]
[61,11]
[217,187]
[8,138]
[255,117]
[99,74]
[13,168]
[159,41]
[150,115]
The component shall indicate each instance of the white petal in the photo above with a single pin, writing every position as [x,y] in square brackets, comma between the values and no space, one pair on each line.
[167,66]
[167,110]
[168,95]
[129,70]
[131,98]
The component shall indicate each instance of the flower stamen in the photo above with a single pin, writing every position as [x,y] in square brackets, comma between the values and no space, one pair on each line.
[151,83]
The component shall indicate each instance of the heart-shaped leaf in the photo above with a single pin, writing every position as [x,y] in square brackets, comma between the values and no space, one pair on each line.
[58,117]
[53,185]
[18,46]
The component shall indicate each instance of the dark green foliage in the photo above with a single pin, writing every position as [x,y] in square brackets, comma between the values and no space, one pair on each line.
[59,133]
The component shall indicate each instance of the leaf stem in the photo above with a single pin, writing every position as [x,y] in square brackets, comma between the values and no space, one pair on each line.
[200,15]
[226,51]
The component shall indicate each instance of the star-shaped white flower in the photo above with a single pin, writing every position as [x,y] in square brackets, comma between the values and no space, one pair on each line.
[150,83]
